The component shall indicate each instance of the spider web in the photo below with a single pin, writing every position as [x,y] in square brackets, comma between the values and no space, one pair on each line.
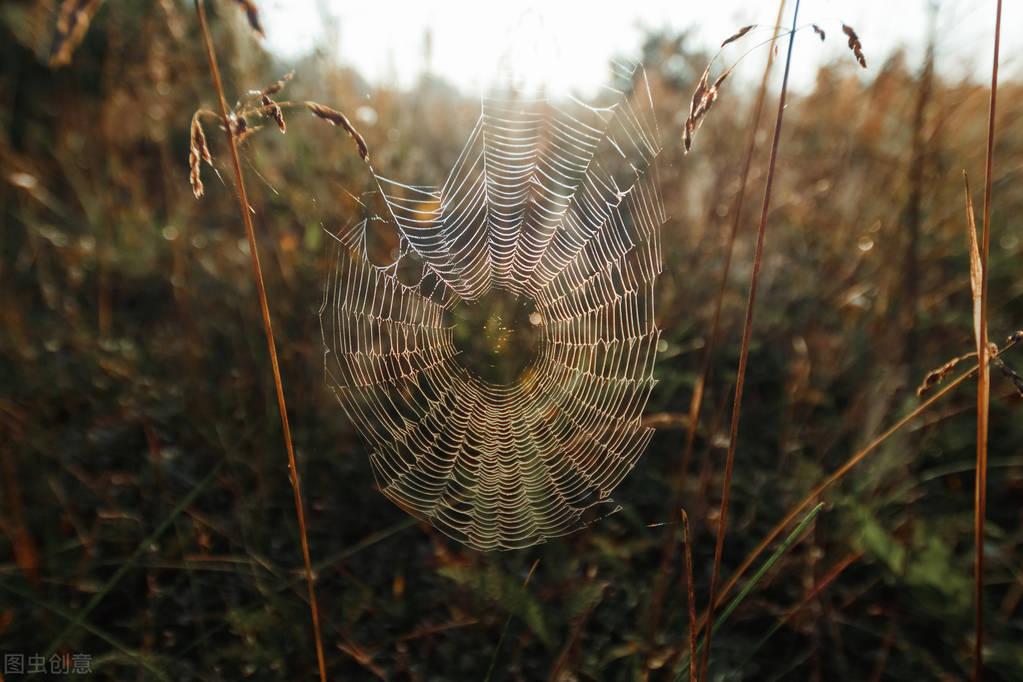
[556,204]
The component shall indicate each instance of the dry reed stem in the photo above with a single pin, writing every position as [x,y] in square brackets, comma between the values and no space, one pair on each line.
[841,472]
[243,204]
[696,402]
[747,332]
[984,375]
[687,553]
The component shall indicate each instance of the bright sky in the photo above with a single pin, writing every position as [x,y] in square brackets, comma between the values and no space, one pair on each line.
[567,43]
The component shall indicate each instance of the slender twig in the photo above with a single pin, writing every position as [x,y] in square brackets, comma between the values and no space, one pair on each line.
[840,473]
[984,375]
[257,272]
[747,331]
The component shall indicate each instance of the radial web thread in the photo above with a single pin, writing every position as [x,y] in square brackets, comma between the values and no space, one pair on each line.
[556,204]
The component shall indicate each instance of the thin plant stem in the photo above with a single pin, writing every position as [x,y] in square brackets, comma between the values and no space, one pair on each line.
[984,375]
[687,553]
[696,402]
[257,272]
[754,580]
[840,473]
[747,331]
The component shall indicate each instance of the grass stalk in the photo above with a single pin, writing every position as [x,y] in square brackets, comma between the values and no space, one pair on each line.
[841,472]
[984,375]
[754,580]
[747,332]
[687,553]
[257,272]
[696,402]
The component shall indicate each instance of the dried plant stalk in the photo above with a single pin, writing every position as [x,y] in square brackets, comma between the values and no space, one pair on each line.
[984,375]
[747,335]
[687,553]
[257,271]
[692,420]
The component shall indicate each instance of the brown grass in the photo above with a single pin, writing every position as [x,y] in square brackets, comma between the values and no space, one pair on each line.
[691,421]
[687,554]
[232,131]
[984,375]
[747,335]
[840,473]
[335,117]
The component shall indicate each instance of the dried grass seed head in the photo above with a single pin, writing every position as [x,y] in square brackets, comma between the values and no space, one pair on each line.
[738,34]
[855,45]
[198,151]
[252,14]
[273,110]
[335,117]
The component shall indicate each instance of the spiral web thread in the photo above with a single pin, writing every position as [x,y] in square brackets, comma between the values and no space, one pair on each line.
[557,204]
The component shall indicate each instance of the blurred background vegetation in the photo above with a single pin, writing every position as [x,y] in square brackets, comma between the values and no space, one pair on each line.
[145,490]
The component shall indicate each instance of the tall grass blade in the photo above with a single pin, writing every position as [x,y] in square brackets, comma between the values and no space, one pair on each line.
[984,375]
[751,584]
[747,334]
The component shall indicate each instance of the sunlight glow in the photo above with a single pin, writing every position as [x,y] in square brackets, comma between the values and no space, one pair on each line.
[567,44]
